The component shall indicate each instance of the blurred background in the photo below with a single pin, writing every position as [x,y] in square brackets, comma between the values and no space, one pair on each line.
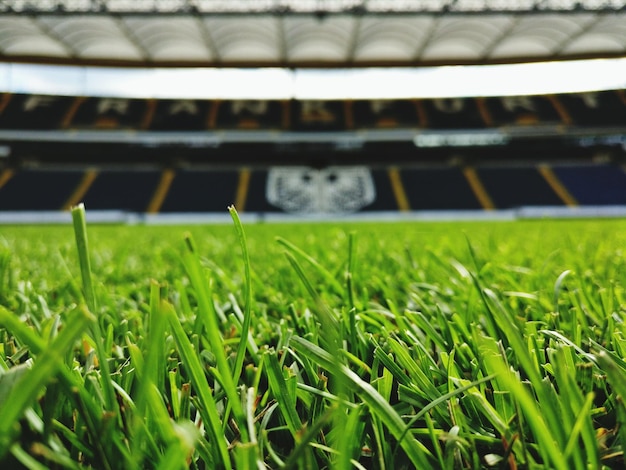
[157,110]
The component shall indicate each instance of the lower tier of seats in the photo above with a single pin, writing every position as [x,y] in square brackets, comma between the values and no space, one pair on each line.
[306,190]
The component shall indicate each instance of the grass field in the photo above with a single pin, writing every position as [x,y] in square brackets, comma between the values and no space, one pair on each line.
[392,345]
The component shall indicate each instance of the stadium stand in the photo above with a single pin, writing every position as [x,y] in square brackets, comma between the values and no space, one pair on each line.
[175,156]
[461,143]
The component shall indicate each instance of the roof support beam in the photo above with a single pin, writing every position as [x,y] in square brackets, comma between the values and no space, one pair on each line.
[207,39]
[353,44]
[486,53]
[428,39]
[283,51]
[132,38]
[568,40]
[45,29]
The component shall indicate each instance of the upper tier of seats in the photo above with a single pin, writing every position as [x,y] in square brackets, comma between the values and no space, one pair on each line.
[37,112]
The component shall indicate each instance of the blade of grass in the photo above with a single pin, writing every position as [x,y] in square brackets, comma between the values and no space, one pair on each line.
[208,408]
[309,434]
[149,380]
[350,441]
[581,429]
[44,369]
[466,386]
[327,318]
[326,275]
[80,233]
[415,450]
[549,447]
[286,400]
[247,313]
[207,312]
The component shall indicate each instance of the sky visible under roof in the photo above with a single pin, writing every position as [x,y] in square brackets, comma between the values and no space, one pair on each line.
[276,83]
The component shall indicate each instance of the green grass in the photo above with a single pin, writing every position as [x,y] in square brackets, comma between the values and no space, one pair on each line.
[388,346]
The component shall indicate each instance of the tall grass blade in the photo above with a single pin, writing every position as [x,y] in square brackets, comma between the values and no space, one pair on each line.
[247,309]
[80,233]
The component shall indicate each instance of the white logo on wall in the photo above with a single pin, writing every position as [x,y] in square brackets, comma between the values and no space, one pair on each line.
[333,189]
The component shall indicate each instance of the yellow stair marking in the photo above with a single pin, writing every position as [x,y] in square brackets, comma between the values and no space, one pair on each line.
[483,110]
[398,189]
[422,117]
[285,121]
[148,116]
[561,110]
[71,112]
[348,114]
[212,118]
[478,189]
[6,98]
[242,189]
[5,176]
[556,185]
[81,189]
[161,191]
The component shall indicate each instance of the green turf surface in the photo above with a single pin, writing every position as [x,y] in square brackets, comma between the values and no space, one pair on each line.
[373,345]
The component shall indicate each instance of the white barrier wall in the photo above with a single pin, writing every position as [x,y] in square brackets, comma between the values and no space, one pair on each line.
[131,218]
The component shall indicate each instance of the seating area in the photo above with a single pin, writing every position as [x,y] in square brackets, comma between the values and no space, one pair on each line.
[172,156]
[404,188]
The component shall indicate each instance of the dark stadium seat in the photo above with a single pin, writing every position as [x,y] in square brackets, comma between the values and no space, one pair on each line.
[596,109]
[257,200]
[129,190]
[34,190]
[601,184]
[511,187]
[384,114]
[522,110]
[34,111]
[181,115]
[438,189]
[111,113]
[317,115]
[248,114]
[453,113]
[385,200]
[201,191]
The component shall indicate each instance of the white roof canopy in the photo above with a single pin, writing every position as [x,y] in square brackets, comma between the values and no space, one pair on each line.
[309,33]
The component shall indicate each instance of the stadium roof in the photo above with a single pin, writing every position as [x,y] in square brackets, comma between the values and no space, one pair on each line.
[309,33]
